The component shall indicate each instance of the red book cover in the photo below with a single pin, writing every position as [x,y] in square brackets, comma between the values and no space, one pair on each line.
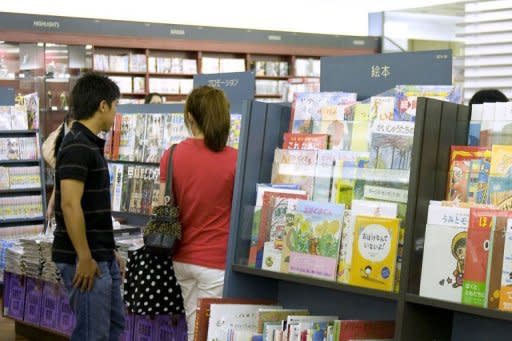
[481,222]
[203,312]
[116,137]
[496,259]
[256,251]
[460,171]
[358,330]
[305,141]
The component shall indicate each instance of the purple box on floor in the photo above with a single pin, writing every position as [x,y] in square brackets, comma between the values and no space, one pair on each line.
[143,329]
[16,297]
[65,317]
[33,296]
[127,335]
[170,328]
[50,306]
[7,286]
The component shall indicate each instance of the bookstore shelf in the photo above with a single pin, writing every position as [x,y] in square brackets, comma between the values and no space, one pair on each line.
[170,75]
[121,73]
[461,308]
[269,95]
[19,162]
[274,77]
[314,282]
[20,190]
[133,94]
[136,163]
[22,220]
[18,132]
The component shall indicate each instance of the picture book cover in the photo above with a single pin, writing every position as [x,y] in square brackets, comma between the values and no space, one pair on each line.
[266,315]
[287,242]
[391,144]
[232,316]
[314,331]
[127,137]
[273,247]
[315,239]
[153,144]
[361,128]
[505,302]
[468,174]
[500,192]
[474,289]
[203,312]
[324,171]
[318,106]
[305,141]
[374,252]
[497,249]
[256,251]
[293,322]
[295,167]
[234,130]
[381,108]
[501,161]
[347,240]
[444,253]
[407,97]
[350,330]
[339,132]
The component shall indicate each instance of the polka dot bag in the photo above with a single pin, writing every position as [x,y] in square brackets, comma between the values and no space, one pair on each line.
[150,286]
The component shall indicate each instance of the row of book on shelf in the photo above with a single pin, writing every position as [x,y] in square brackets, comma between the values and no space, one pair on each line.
[337,201]
[130,62]
[137,85]
[144,137]
[20,177]
[467,253]
[19,148]
[24,115]
[20,207]
[270,68]
[234,319]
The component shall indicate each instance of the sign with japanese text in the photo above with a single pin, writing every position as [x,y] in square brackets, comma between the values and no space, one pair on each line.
[238,86]
[369,75]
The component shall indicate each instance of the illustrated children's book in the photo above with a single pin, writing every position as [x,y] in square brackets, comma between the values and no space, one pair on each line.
[295,167]
[496,253]
[318,106]
[468,174]
[506,274]
[381,108]
[501,161]
[500,192]
[314,240]
[407,96]
[234,131]
[444,253]
[305,141]
[474,287]
[391,144]
[374,252]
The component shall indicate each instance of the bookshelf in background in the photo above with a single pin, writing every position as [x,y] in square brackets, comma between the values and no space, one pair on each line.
[22,178]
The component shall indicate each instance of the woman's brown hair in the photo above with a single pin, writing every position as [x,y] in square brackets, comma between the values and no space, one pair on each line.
[210,109]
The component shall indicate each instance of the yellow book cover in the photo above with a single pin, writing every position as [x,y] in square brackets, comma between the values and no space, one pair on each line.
[361,128]
[374,252]
[501,160]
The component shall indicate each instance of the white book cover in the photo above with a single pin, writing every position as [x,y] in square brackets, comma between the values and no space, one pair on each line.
[210,65]
[444,253]
[239,317]
[19,118]
[117,187]
[5,118]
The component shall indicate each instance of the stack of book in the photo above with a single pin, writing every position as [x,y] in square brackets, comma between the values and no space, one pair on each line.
[246,319]
[31,258]
[20,177]
[21,207]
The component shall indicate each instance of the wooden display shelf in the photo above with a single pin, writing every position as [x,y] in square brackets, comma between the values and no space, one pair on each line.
[22,220]
[458,307]
[268,96]
[314,282]
[283,78]
[123,73]
[19,132]
[19,162]
[171,75]
[136,163]
[21,190]
[133,94]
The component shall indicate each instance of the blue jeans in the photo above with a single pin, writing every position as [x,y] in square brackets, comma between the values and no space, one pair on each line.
[99,313]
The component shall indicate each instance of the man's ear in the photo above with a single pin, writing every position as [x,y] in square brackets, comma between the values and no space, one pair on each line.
[103,106]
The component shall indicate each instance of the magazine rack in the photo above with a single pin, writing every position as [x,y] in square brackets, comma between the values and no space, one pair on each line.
[438,126]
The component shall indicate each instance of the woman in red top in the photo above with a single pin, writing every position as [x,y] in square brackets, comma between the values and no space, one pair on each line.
[203,179]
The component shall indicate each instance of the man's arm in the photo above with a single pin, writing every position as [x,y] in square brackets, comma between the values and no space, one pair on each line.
[87,268]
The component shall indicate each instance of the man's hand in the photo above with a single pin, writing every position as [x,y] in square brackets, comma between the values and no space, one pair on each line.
[86,272]
[121,263]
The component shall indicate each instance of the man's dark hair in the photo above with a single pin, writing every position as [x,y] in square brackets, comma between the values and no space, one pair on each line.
[487,96]
[89,91]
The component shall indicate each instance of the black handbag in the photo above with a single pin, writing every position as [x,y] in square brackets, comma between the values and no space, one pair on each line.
[164,228]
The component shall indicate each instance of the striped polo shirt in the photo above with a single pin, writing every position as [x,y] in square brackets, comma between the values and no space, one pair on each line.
[81,158]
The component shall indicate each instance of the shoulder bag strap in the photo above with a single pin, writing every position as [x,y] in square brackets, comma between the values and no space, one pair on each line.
[168,181]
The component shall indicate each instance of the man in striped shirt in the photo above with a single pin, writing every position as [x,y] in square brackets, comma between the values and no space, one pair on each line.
[84,248]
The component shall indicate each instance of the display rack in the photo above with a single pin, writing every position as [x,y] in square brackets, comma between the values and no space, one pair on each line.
[40,190]
[438,125]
